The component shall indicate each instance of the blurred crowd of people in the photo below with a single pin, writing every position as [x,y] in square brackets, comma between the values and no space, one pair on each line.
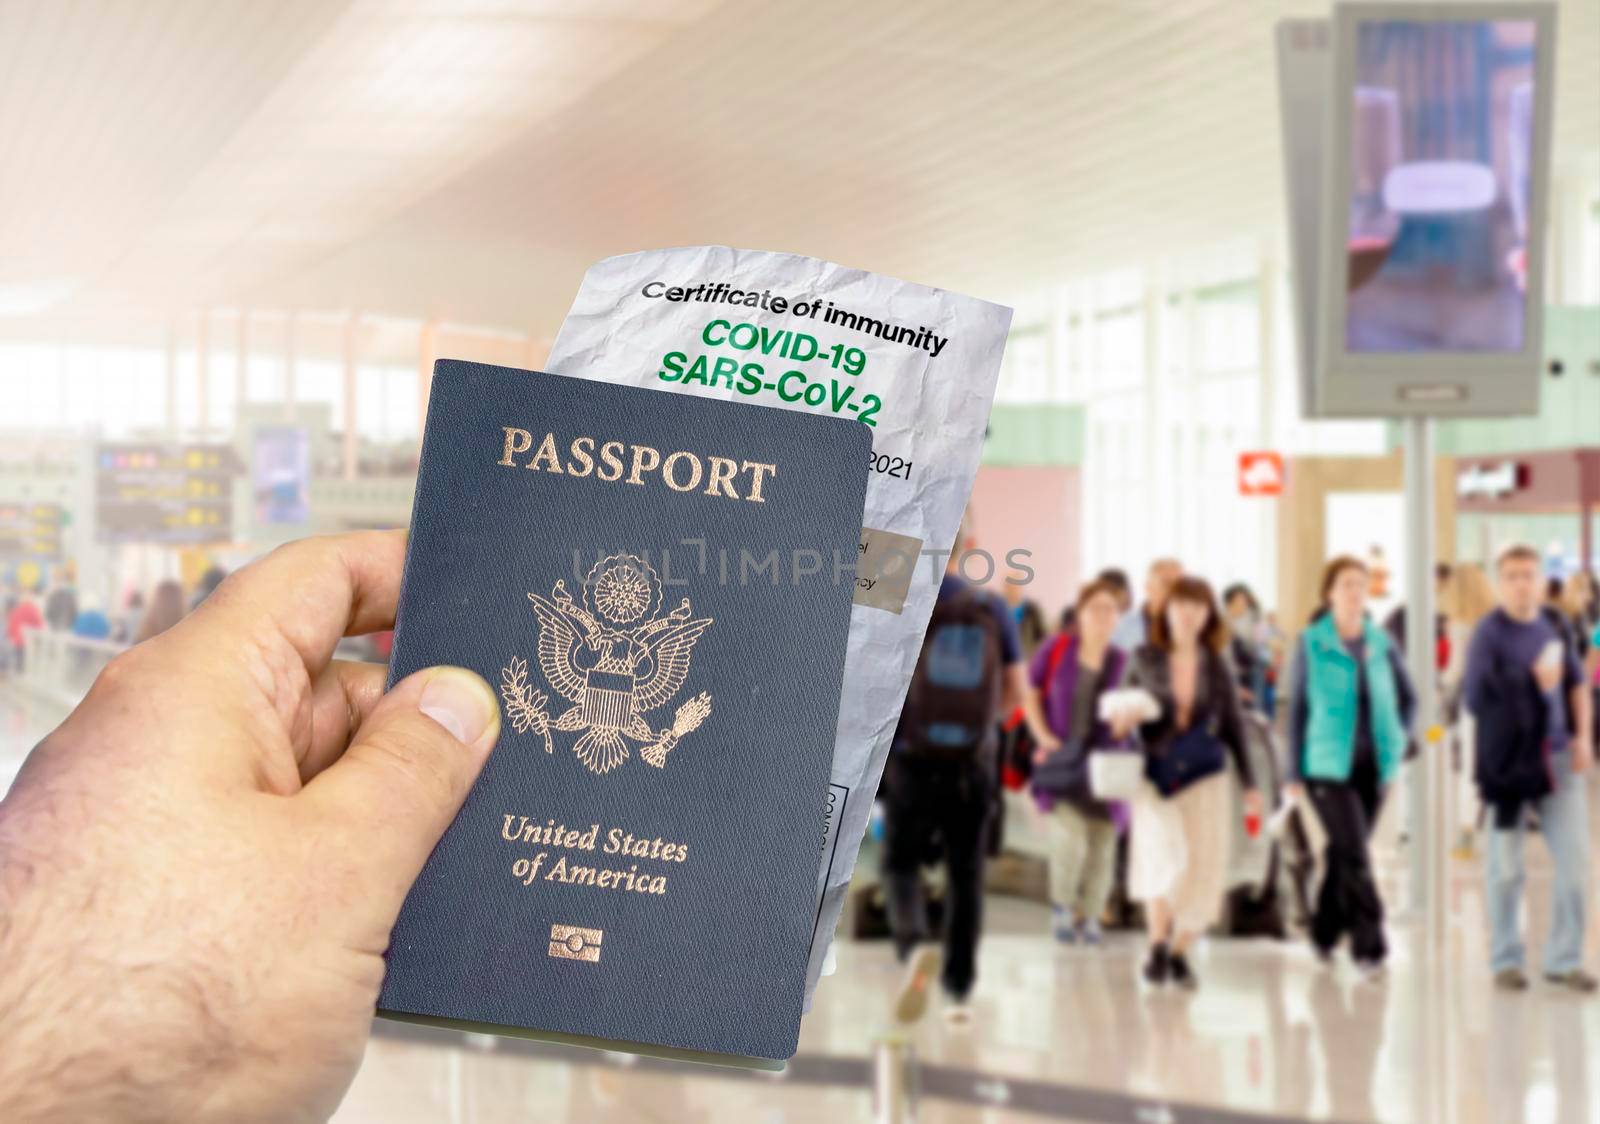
[1142,730]
[57,605]
[54,603]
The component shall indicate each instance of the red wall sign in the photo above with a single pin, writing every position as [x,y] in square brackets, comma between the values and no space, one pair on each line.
[1261,474]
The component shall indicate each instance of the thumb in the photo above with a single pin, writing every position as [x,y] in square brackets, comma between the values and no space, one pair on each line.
[406,773]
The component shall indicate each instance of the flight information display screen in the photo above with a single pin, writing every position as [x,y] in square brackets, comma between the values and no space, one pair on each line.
[1441,144]
[165,493]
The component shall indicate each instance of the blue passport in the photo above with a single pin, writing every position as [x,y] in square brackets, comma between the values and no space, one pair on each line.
[660,587]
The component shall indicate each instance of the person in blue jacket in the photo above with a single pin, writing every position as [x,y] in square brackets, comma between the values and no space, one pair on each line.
[1525,689]
[1351,707]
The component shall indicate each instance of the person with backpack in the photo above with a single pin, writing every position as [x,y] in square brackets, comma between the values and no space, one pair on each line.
[1351,705]
[1181,828]
[1526,692]
[940,781]
[1067,678]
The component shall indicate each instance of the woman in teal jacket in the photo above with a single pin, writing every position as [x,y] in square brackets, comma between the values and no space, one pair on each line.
[1351,709]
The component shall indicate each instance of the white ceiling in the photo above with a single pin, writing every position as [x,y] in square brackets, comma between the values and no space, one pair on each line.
[466,160]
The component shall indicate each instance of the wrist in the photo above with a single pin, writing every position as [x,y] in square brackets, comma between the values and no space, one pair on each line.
[86,1036]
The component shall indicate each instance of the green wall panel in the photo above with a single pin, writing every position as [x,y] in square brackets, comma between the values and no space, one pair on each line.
[1569,405]
[1021,435]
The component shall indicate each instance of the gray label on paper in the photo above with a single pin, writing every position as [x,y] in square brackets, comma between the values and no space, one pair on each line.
[884,568]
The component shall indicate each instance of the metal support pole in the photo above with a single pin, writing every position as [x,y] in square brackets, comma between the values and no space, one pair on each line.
[1423,834]
[349,446]
[1429,857]
[171,392]
[893,1084]
[291,356]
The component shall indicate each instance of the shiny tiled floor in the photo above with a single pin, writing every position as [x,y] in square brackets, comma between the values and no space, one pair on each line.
[1062,1034]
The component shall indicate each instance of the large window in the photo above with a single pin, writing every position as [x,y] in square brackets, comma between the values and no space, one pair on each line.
[1226,328]
[187,387]
[321,381]
[386,403]
[191,384]
[78,389]
[267,370]
[222,393]
[1584,287]
[1025,371]
[29,387]
[1180,368]
[1116,356]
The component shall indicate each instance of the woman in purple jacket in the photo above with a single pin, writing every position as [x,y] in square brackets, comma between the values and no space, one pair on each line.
[1066,679]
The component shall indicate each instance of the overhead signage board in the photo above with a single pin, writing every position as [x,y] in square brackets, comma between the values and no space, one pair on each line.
[32,532]
[164,492]
[1261,473]
[1418,208]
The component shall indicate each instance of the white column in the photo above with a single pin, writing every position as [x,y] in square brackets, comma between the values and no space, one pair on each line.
[1266,437]
[289,346]
[427,347]
[241,359]
[172,382]
[1159,484]
[202,376]
[349,446]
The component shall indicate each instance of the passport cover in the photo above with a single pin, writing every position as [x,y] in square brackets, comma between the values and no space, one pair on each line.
[660,587]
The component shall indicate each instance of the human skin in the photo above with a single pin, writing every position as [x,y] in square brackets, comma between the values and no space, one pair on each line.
[200,867]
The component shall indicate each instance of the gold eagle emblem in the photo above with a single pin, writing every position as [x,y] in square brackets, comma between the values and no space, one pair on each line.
[615,657]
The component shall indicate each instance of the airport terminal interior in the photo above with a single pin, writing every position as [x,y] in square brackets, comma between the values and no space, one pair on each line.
[236,236]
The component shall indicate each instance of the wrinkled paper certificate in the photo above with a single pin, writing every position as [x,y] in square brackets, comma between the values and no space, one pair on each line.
[918,365]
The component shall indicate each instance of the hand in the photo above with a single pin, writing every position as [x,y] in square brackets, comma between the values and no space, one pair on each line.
[1122,727]
[1582,754]
[1253,803]
[1295,791]
[200,868]
[1045,743]
[1548,674]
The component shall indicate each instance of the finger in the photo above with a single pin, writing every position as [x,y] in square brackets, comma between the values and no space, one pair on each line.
[396,788]
[269,630]
[309,593]
[341,699]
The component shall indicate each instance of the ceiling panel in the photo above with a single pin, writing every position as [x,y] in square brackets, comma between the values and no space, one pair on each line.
[465,160]
[108,110]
